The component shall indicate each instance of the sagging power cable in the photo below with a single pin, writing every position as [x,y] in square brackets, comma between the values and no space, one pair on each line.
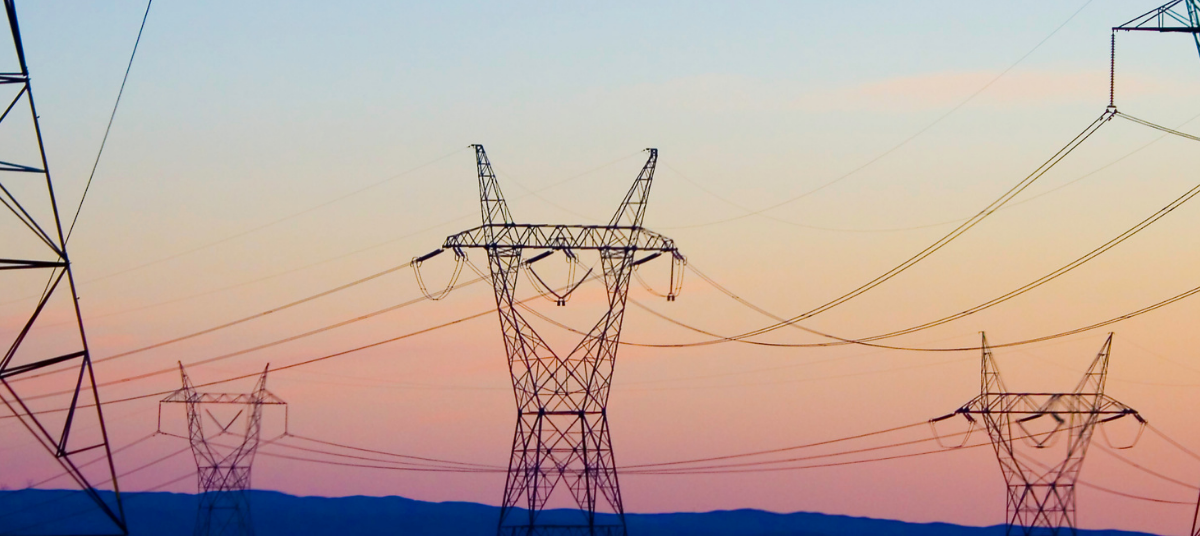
[941,242]
[229,324]
[1160,128]
[385,453]
[293,365]
[103,141]
[841,342]
[416,266]
[277,342]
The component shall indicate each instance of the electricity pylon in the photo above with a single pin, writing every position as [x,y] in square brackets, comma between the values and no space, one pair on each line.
[562,434]
[35,261]
[223,472]
[1040,497]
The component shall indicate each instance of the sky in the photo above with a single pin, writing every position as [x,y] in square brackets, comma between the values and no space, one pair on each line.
[267,152]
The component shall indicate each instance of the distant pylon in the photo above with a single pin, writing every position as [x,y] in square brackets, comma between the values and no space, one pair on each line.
[223,472]
[34,261]
[562,434]
[1041,499]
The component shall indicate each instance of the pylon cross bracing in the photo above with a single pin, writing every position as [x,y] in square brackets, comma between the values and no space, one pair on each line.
[1041,498]
[223,472]
[562,437]
[34,261]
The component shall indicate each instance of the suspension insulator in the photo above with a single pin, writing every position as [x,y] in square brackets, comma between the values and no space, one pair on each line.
[540,256]
[427,256]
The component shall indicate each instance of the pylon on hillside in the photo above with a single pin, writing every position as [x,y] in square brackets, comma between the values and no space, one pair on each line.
[562,437]
[223,471]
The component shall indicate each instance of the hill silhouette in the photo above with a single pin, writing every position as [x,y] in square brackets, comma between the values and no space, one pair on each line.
[29,512]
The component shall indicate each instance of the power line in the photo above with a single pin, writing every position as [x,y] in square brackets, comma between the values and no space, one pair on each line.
[1160,128]
[777,450]
[263,346]
[235,322]
[841,341]
[1173,442]
[813,466]
[384,467]
[294,365]
[285,367]
[1145,469]
[451,465]
[941,242]
[87,186]
[385,453]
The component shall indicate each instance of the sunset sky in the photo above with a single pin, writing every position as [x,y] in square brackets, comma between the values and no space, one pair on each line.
[267,151]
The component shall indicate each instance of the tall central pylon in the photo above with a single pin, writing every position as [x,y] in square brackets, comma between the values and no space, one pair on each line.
[1041,497]
[562,437]
[223,471]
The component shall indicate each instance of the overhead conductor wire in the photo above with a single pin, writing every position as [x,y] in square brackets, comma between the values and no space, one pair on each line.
[87,186]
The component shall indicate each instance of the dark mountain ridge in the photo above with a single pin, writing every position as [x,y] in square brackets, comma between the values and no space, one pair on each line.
[26,512]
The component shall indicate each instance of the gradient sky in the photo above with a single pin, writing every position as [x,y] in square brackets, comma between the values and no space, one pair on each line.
[239,115]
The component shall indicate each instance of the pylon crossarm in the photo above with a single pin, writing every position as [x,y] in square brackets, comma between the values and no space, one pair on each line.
[1174,16]
[1177,16]
[574,237]
[181,396]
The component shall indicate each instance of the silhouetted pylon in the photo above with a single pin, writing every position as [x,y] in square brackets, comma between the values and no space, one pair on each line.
[223,472]
[1041,498]
[562,436]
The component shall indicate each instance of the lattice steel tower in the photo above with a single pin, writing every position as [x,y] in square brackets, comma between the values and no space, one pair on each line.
[562,437]
[1041,497]
[223,472]
[33,257]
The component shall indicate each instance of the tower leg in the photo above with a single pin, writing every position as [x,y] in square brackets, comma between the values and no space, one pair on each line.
[553,448]
[224,502]
[1040,509]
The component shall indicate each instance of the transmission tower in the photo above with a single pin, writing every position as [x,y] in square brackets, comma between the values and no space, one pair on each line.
[223,471]
[562,437]
[1041,497]
[35,262]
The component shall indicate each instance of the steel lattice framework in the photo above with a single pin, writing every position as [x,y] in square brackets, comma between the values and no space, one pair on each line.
[223,472]
[1041,498]
[1176,16]
[39,246]
[562,436]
